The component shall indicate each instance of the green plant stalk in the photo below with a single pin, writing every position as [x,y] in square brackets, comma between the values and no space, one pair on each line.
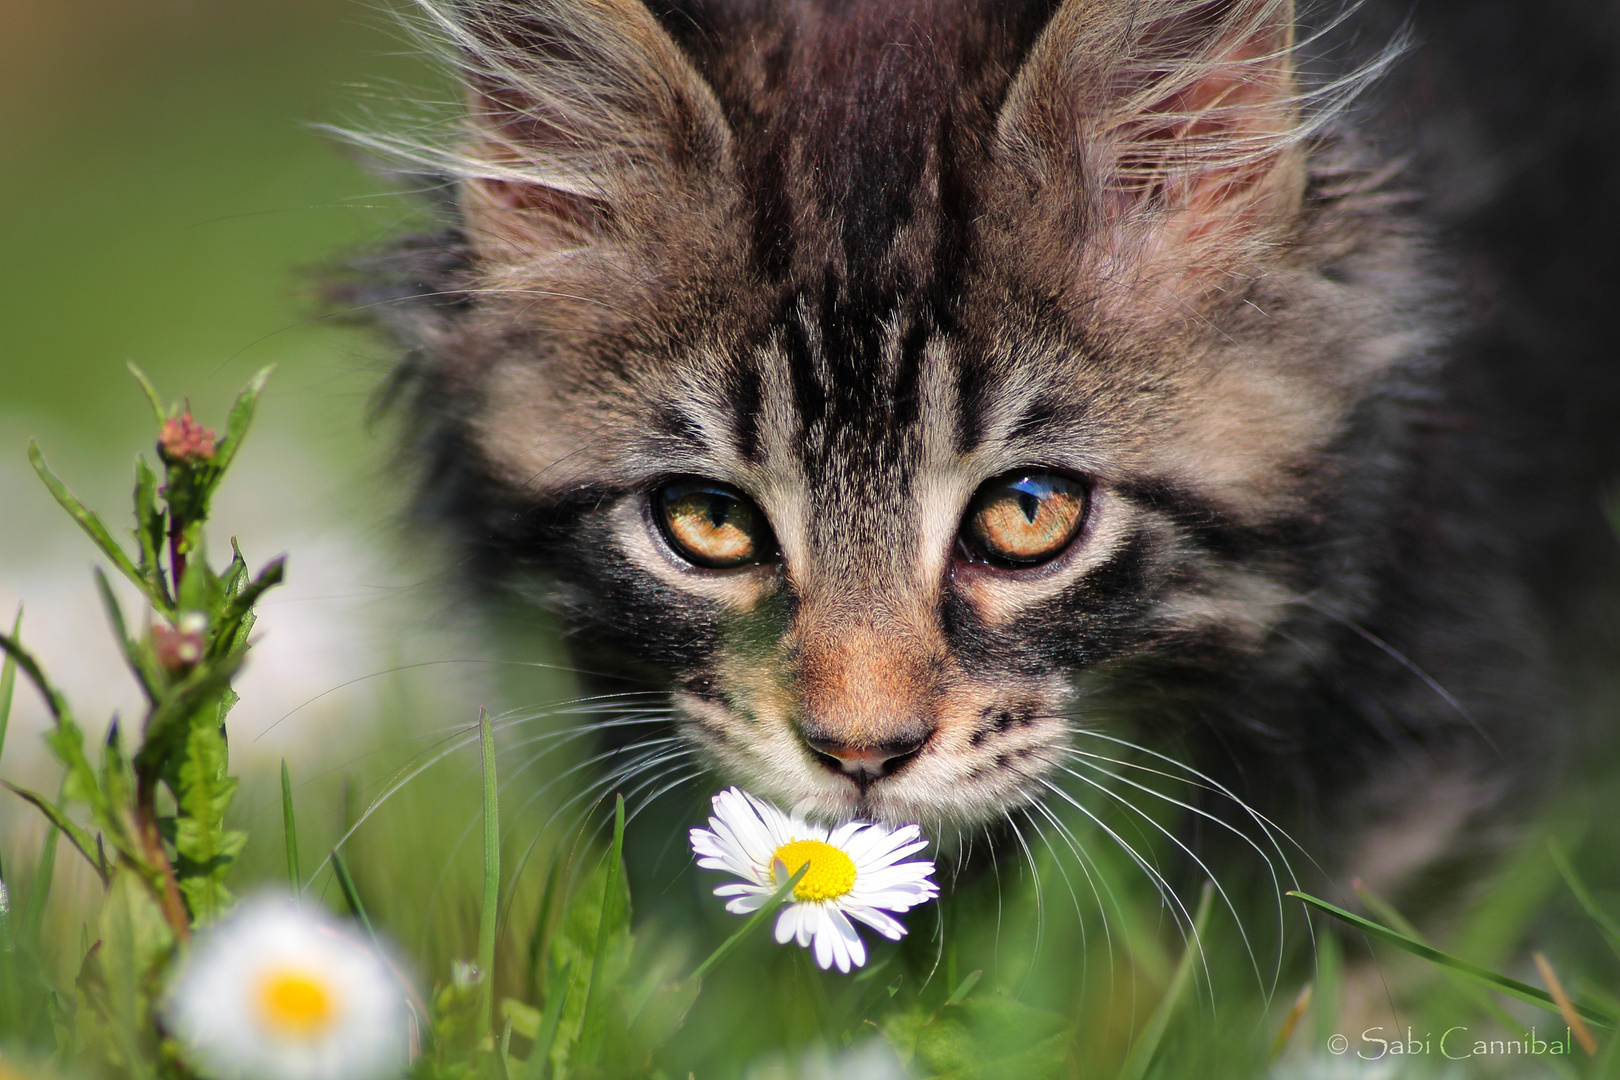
[289,829]
[1147,1044]
[1500,983]
[351,895]
[764,912]
[488,918]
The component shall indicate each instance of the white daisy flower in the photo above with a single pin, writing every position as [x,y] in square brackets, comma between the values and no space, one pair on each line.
[855,872]
[277,993]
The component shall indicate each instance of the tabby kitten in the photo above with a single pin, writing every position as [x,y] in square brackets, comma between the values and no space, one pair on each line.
[915,389]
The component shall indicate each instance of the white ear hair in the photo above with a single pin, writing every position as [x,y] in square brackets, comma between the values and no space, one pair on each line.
[1177,126]
[580,113]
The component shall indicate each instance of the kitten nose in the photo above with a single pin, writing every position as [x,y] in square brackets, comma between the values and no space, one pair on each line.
[868,761]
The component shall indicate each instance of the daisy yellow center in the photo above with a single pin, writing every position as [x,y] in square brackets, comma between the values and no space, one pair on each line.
[831,873]
[296,1004]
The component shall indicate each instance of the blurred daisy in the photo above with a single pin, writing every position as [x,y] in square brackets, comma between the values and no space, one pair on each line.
[277,993]
[856,872]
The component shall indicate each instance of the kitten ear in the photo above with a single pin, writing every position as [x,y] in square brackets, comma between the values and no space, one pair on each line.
[585,119]
[1172,128]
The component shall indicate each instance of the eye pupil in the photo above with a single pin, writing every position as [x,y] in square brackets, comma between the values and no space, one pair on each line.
[1030,505]
[718,506]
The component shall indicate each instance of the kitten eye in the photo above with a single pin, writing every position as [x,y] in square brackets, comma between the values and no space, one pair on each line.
[713,525]
[1024,518]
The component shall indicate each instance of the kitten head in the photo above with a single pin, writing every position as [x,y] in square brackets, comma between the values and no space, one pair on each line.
[879,375]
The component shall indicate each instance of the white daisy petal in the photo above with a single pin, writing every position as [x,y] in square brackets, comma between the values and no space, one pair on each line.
[278,993]
[877,920]
[824,945]
[809,923]
[858,870]
[853,947]
[787,924]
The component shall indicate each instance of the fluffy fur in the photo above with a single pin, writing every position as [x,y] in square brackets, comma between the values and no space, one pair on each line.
[857,260]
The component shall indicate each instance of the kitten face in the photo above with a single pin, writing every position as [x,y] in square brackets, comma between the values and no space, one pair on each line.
[881,403]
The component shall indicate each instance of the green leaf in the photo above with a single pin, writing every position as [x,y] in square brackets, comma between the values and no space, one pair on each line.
[147,673]
[151,526]
[134,950]
[158,408]
[236,617]
[593,917]
[187,704]
[201,589]
[1147,1044]
[78,836]
[993,1036]
[241,418]
[89,522]
[205,849]
[1500,983]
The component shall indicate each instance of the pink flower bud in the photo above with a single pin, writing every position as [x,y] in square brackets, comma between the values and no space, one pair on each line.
[178,650]
[184,441]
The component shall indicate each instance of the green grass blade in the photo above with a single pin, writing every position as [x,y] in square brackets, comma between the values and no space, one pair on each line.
[540,1056]
[964,988]
[8,937]
[159,410]
[89,522]
[488,918]
[1501,983]
[764,912]
[592,1019]
[289,829]
[1147,1044]
[33,916]
[8,681]
[1605,924]
[1329,992]
[351,895]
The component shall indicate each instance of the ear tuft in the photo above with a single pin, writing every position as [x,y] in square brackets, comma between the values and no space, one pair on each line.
[1173,127]
[584,119]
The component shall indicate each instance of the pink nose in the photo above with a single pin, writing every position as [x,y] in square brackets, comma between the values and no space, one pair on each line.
[867,762]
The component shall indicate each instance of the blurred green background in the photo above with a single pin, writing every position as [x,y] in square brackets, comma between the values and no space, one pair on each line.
[166,198]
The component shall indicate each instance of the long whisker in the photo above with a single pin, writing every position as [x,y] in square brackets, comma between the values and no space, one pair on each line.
[1089,761]
[1087,866]
[1271,829]
[1183,918]
[1035,879]
[1188,851]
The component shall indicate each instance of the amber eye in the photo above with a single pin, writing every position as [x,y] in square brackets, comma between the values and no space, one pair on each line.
[1024,518]
[713,525]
